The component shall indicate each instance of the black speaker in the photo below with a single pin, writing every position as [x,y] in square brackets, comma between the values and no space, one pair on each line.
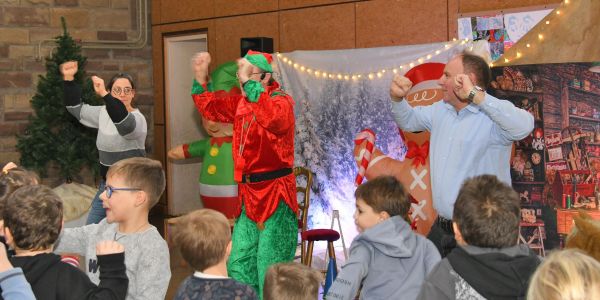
[262,44]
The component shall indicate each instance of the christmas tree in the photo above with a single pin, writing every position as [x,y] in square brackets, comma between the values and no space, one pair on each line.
[54,135]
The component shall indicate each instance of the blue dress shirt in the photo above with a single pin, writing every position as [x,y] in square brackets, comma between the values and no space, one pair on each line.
[474,141]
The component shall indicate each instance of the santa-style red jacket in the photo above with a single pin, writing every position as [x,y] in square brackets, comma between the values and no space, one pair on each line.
[263,141]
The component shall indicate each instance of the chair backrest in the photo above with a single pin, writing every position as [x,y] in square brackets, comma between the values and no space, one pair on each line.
[304,201]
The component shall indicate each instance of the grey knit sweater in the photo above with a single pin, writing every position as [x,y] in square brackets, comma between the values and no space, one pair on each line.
[146,256]
[121,134]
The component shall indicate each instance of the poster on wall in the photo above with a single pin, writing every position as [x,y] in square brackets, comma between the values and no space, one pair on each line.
[518,24]
[489,28]
[500,30]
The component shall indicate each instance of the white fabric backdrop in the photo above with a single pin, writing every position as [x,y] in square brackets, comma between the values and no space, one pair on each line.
[330,112]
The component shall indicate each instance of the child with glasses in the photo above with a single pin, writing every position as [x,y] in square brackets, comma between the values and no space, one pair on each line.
[133,187]
[121,128]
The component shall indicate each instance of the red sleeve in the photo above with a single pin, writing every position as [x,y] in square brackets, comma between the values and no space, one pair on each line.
[186,151]
[275,113]
[217,106]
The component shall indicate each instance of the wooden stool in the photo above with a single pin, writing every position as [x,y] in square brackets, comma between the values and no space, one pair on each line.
[313,235]
[536,241]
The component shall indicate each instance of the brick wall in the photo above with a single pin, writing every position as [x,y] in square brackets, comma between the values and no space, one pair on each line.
[24,23]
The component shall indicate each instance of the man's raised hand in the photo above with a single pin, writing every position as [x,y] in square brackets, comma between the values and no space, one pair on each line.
[462,86]
[399,88]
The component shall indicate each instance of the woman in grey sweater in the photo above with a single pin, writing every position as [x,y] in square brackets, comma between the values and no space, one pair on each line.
[121,128]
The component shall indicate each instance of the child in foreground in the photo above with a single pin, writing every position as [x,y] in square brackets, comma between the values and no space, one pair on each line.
[387,257]
[204,239]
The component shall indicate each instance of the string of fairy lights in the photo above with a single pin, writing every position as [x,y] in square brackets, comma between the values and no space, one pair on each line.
[325,74]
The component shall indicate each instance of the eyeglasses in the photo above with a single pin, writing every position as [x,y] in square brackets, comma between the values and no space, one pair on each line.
[117,91]
[109,190]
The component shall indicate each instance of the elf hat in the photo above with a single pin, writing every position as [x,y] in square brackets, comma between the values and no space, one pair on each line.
[260,59]
[425,76]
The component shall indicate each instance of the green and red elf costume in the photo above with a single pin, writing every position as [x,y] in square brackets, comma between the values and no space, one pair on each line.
[266,231]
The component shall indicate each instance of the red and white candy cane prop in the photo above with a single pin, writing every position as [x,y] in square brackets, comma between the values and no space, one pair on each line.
[365,156]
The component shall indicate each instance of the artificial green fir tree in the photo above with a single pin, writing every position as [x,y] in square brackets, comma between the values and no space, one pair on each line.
[53,134]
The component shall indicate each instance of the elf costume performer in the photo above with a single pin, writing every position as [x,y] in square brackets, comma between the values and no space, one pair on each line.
[266,230]
[218,190]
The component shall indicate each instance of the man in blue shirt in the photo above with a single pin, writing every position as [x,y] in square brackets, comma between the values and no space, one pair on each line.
[471,133]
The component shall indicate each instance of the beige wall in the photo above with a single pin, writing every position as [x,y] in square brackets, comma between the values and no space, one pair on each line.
[24,23]
[323,24]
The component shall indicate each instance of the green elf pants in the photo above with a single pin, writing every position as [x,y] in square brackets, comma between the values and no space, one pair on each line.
[254,251]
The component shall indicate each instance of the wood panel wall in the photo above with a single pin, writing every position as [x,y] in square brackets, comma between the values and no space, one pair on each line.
[306,25]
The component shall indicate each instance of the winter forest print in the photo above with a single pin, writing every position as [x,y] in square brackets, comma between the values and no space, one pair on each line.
[328,117]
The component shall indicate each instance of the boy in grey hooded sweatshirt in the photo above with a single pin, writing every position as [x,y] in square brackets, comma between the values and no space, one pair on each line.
[387,258]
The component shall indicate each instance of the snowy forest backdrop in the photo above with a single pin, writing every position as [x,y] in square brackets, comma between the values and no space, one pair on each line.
[331,111]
